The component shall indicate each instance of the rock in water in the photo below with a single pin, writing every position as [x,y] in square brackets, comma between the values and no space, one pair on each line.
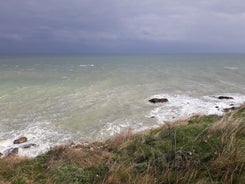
[158,100]
[20,140]
[12,152]
[225,97]
[28,146]
[1,155]
[230,109]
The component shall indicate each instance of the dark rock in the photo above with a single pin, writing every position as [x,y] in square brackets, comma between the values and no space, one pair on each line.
[28,146]
[1,155]
[216,107]
[158,100]
[230,109]
[20,140]
[225,97]
[12,152]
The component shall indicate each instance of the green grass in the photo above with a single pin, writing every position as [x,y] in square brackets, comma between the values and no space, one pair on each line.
[208,149]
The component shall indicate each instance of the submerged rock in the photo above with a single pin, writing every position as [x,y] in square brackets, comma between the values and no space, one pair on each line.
[230,109]
[28,146]
[20,140]
[225,97]
[158,100]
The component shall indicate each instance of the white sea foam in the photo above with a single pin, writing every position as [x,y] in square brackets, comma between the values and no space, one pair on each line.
[90,65]
[117,127]
[181,106]
[112,129]
[41,137]
[230,68]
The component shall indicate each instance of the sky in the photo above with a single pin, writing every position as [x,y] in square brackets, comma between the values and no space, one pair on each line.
[121,26]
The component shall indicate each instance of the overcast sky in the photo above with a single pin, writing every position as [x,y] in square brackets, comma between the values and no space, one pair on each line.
[121,26]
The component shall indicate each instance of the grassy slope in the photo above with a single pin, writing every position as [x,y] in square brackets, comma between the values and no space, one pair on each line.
[207,149]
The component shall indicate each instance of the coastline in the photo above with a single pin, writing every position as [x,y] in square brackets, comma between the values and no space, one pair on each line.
[202,149]
[165,108]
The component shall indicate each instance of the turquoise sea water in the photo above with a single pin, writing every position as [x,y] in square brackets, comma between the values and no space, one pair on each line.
[58,99]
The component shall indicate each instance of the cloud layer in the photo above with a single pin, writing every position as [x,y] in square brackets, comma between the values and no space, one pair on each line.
[128,26]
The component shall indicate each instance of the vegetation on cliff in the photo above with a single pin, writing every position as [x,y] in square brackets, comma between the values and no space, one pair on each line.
[203,149]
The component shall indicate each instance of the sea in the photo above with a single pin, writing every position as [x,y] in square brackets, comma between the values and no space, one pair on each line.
[54,100]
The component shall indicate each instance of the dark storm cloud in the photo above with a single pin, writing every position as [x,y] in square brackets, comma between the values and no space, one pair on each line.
[128,26]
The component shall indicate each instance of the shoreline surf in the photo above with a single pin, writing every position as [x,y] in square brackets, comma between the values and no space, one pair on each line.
[179,107]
